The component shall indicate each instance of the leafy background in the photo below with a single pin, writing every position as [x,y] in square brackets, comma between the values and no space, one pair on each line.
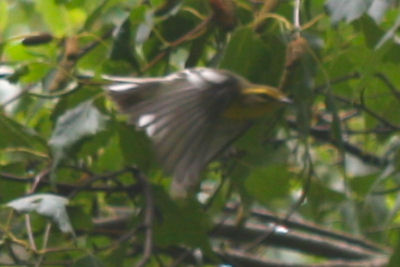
[331,158]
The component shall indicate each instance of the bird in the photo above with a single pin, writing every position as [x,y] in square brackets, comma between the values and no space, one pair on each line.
[192,116]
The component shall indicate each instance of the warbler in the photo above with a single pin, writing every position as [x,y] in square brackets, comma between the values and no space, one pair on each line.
[192,116]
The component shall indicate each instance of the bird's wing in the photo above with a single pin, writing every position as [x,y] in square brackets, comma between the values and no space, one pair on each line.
[183,118]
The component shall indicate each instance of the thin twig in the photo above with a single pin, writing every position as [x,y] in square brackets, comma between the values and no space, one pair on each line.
[284,220]
[148,216]
[194,33]
[325,135]
[345,78]
[94,44]
[367,110]
[296,17]
[395,91]
[93,179]
[70,188]
[38,178]
[44,245]
[30,232]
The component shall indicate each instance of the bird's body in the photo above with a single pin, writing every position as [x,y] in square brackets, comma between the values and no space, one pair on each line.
[192,116]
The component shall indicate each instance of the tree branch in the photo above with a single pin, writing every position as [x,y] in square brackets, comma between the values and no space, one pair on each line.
[325,135]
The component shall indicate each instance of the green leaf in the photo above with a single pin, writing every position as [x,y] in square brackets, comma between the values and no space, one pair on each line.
[19,52]
[10,190]
[3,15]
[247,55]
[15,135]
[122,46]
[183,223]
[80,219]
[371,31]
[36,72]
[395,258]
[88,261]
[55,16]
[136,147]
[268,183]
[362,184]
[320,193]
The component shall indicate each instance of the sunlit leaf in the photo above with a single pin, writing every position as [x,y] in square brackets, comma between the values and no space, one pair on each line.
[378,9]
[55,15]
[3,15]
[76,123]
[145,28]
[346,10]
[47,205]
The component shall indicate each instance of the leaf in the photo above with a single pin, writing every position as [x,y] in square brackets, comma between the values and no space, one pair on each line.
[354,9]
[144,29]
[70,101]
[363,184]
[122,47]
[244,55]
[395,258]
[47,205]
[3,15]
[135,146]
[15,135]
[76,123]
[112,158]
[88,261]
[320,194]
[183,223]
[19,52]
[268,183]
[9,189]
[346,10]
[389,34]
[54,15]
[36,72]
[371,31]
[378,9]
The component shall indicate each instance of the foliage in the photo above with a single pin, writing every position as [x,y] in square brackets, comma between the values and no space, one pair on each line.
[331,157]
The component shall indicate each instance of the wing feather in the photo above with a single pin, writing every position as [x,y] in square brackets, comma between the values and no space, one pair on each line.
[182,114]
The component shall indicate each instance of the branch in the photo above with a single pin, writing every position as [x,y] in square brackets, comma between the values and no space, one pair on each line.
[362,107]
[240,258]
[367,110]
[296,16]
[267,217]
[300,235]
[293,239]
[148,216]
[395,91]
[194,33]
[325,135]
[71,188]
[345,78]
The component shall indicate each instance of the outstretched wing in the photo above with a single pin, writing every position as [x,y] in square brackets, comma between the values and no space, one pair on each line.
[181,113]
